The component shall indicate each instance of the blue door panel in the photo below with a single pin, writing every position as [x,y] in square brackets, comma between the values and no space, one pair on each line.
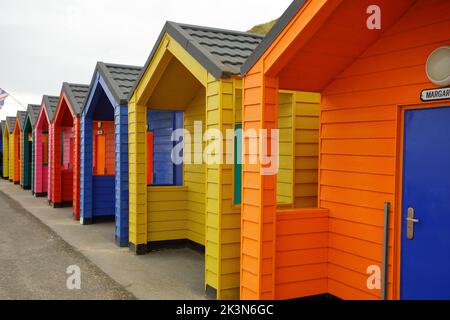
[425,260]
[162,123]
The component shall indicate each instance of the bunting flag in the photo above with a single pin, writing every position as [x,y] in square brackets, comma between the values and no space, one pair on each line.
[3,96]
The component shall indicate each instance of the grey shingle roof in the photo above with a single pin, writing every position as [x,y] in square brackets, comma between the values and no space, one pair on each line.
[11,121]
[33,113]
[273,34]
[120,79]
[221,52]
[227,50]
[21,116]
[50,102]
[76,94]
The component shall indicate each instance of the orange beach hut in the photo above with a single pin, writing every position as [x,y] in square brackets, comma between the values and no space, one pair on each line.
[16,147]
[381,227]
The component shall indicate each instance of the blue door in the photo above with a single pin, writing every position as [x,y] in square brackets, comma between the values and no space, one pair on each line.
[425,260]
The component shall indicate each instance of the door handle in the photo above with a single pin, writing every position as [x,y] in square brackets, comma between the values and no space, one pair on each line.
[411,222]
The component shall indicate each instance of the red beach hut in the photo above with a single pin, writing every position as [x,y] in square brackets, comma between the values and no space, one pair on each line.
[65,150]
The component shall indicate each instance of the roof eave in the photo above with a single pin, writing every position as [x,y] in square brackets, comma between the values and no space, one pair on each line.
[112,86]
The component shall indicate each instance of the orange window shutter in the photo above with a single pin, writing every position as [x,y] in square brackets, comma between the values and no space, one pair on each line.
[100,155]
[149,158]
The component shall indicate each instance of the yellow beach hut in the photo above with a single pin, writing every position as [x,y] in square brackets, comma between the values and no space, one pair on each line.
[192,82]
[10,124]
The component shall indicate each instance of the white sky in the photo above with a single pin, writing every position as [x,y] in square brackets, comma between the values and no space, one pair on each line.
[46,42]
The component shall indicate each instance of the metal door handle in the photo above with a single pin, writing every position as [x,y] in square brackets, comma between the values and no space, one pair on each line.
[412,220]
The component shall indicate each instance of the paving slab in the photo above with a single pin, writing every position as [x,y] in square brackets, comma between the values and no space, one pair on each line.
[172,274]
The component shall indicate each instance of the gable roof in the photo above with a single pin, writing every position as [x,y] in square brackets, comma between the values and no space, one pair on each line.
[21,117]
[120,79]
[11,121]
[221,52]
[33,113]
[76,94]
[50,103]
[273,34]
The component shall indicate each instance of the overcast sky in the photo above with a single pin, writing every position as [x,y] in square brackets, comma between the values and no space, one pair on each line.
[46,42]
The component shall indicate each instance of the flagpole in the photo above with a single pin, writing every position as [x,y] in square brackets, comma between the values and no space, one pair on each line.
[10,95]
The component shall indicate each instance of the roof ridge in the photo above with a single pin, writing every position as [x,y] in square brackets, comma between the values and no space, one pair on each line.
[124,66]
[75,84]
[233,41]
[236,32]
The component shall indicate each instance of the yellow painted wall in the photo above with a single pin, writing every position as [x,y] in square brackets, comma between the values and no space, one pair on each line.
[167,207]
[285,178]
[194,174]
[224,99]
[307,111]
[137,155]
[298,122]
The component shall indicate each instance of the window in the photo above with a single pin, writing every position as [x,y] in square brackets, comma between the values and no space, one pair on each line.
[30,148]
[45,148]
[18,148]
[238,164]
[63,144]
[67,144]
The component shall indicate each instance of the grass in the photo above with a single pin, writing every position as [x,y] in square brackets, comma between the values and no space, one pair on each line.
[264,28]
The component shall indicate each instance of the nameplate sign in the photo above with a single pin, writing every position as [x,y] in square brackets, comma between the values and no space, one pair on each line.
[436,94]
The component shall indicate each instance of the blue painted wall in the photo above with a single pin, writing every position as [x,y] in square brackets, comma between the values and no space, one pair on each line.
[103,199]
[121,185]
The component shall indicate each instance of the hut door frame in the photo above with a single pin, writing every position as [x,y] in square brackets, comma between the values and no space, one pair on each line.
[397,221]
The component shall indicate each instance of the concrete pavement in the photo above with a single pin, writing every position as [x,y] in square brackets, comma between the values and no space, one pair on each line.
[168,274]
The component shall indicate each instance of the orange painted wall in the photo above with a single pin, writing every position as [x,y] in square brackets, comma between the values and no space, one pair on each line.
[301,259]
[359,140]
[259,201]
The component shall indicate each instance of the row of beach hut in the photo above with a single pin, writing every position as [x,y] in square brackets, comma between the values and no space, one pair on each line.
[354,129]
